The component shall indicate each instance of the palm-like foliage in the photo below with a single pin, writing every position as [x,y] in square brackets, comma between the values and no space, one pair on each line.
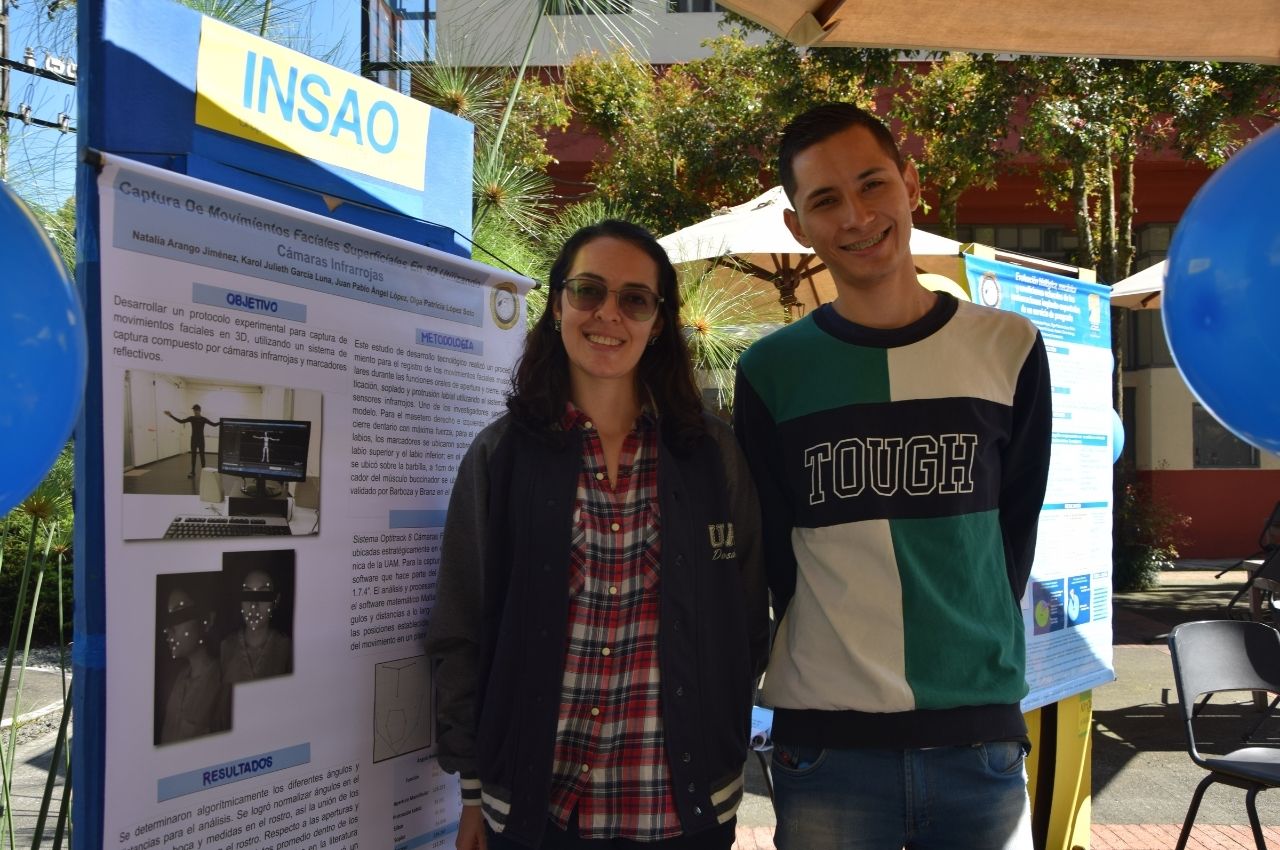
[471,93]
[43,517]
[285,22]
[250,15]
[721,316]
[508,178]
[518,193]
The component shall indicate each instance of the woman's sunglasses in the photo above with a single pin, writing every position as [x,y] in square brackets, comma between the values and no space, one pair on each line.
[635,302]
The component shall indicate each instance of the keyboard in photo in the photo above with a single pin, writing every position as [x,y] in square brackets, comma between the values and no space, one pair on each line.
[197,527]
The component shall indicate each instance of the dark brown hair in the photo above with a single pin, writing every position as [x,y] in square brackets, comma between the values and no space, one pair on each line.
[540,382]
[821,123]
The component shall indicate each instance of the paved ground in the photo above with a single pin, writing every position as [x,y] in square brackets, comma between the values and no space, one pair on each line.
[1142,777]
[41,692]
[38,721]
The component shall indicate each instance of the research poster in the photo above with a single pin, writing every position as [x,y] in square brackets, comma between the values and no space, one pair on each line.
[1067,608]
[286,400]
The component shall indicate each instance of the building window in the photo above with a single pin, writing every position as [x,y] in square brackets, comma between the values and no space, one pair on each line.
[1048,242]
[1214,447]
[1146,346]
[1152,245]
[382,29]
[676,6]
[589,7]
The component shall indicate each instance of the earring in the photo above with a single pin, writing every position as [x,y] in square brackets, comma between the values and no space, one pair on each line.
[556,324]
[653,340]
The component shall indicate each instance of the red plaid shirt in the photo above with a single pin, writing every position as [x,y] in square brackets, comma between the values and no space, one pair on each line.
[610,757]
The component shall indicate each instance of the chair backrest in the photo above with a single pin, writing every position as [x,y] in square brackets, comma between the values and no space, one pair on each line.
[1269,571]
[1270,538]
[1210,656]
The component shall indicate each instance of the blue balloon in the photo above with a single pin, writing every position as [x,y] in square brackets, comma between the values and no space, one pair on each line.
[43,353]
[1117,436]
[1222,293]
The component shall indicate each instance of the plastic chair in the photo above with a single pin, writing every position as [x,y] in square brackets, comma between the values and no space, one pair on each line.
[1265,588]
[1211,656]
[762,742]
[1268,544]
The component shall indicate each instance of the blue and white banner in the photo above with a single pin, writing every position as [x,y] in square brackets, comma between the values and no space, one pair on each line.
[1067,609]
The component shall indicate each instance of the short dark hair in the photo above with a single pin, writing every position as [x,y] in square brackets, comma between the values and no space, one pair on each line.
[540,382]
[195,407]
[821,123]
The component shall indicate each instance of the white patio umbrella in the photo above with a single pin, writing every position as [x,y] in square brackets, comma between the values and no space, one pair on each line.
[1141,291]
[753,240]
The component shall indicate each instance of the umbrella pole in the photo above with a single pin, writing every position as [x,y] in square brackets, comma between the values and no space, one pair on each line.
[786,280]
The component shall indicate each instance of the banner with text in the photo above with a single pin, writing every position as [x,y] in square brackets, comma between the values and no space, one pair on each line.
[286,399]
[1067,608]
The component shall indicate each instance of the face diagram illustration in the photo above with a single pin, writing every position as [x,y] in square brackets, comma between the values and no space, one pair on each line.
[401,707]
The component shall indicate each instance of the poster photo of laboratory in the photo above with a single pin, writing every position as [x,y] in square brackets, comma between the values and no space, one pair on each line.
[209,458]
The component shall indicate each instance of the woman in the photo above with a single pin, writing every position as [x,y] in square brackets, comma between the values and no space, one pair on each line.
[601,615]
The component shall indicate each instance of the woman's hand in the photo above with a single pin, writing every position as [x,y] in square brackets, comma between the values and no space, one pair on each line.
[471,834]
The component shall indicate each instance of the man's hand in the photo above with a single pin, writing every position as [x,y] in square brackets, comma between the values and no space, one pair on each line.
[471,834]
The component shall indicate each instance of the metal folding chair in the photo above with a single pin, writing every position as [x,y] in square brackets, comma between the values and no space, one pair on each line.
[1268,544]
[1212,656]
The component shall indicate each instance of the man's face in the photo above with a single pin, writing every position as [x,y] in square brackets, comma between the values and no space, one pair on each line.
[185,633]
[257,612]
[853,207]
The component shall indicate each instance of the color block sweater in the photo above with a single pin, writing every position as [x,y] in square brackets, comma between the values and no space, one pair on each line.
[901,475]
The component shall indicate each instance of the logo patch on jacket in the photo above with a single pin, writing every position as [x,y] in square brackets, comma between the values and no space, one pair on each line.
[721,536]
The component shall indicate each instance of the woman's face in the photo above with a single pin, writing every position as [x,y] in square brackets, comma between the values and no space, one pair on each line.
[257,612]
[604,342]
[184,635]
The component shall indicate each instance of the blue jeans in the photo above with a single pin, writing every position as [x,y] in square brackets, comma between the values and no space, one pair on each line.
[942,798]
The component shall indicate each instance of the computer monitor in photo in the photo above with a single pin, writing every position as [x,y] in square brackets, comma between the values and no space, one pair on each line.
[264,449]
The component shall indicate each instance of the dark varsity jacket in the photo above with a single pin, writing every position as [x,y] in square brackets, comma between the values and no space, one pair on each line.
[498,627]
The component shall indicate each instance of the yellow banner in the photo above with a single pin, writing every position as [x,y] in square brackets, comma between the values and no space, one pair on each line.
[253,89]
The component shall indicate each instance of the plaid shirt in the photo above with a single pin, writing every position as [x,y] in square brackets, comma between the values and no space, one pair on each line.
[610,756]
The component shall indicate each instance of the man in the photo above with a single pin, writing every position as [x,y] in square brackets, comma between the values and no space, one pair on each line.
[900,442]
[257,650]
[198,424]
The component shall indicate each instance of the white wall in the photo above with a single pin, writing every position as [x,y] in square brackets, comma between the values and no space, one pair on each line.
[494,32]
[1163,427]
[306,407]
[1163,414]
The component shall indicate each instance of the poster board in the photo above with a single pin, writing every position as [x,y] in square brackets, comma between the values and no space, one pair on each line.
[268,689]
[1067,608]
[273,686]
